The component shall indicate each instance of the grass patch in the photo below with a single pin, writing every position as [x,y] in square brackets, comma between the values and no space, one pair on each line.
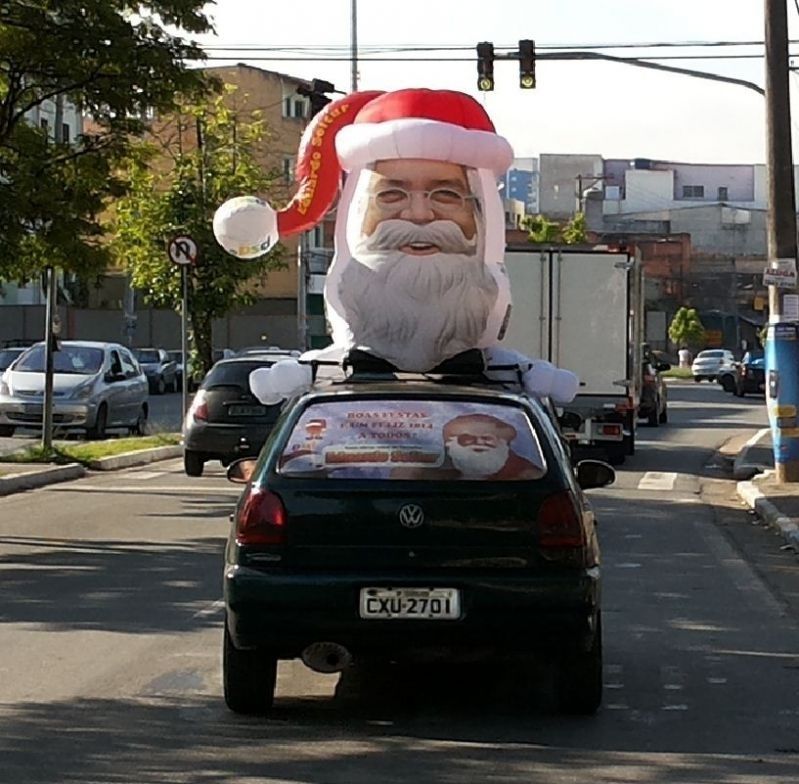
[94,450]
[678,373]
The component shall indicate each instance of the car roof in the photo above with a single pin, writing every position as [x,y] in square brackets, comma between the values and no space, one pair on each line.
[86,344]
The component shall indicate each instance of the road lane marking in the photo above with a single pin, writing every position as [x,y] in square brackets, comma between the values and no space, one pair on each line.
[147,490]
[658,480]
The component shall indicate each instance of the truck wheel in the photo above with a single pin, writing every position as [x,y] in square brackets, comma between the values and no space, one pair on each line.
[664,415]
[628,444]
[249,678]
[579,678]
[652,419]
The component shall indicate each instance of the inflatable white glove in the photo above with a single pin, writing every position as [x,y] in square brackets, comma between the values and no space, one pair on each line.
[544,378]
[283,380]
[246,227]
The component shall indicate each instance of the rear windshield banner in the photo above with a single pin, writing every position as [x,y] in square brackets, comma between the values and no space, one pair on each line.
[413,440]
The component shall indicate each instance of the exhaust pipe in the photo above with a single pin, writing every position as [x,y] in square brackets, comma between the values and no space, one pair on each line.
[326,657]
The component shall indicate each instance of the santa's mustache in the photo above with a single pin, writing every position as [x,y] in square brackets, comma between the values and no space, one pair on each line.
[394,233]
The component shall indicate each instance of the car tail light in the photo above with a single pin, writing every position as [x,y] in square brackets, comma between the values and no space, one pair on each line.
[610,430]
[261,518]
[560,524]
[199,408]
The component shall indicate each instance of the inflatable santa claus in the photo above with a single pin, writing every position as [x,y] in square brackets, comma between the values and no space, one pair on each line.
[417,277]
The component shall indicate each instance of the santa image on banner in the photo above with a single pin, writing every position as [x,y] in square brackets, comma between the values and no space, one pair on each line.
[417,277]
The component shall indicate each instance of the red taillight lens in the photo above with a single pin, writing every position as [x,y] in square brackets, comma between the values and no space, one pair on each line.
[199,408]
[560,523]
[261,518]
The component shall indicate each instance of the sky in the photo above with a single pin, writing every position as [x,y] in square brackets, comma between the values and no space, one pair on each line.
[608,109]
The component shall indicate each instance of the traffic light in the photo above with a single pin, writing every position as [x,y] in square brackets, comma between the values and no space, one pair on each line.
[527,64]
[315,91]
[485,66]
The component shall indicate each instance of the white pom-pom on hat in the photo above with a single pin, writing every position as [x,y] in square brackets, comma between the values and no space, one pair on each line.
[246,227]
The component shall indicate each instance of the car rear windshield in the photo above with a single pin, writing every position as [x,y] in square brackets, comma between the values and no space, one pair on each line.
[144,355]
[225,374]
[81,360]
[710,355]
[413,439]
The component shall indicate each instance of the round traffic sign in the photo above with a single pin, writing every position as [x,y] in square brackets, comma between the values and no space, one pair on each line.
[183,250]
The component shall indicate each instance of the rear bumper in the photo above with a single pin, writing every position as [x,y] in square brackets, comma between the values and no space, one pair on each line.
[499,614]
[232,441]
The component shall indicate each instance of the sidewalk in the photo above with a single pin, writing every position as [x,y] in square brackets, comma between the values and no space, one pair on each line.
[777,504]
[17,477]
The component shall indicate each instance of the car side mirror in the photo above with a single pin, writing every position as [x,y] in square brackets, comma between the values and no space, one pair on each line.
[662,367]
[594,473]
[240,471]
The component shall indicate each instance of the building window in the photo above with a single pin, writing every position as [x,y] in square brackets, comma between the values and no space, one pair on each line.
[723,195]
[693,191]
[289,165]
[44,125]
[66,132]
[295,106]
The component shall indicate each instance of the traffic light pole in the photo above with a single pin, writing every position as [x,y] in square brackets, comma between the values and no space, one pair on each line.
[782,336]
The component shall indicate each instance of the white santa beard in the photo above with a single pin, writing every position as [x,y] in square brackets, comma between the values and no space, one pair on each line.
[416,311]
[472,463]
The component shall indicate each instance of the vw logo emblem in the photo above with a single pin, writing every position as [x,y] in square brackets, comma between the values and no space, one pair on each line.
[411,515]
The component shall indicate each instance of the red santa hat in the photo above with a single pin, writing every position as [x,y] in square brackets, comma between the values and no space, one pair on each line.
[357,130]
[352,132]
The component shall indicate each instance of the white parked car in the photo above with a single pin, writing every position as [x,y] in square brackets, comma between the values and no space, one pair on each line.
[711,362]
[96,387]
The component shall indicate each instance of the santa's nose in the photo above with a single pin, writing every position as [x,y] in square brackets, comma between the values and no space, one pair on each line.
[418,209]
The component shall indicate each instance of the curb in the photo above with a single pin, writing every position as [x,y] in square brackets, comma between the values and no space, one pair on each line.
[763,508]
[142,457]
[15,483]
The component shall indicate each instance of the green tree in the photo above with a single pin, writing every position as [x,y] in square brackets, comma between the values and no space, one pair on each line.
[686,328]
[117,62]
[181,199]
[544,231]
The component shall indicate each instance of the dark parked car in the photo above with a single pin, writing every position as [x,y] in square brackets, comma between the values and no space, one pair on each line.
[728,376]
[161,369]
[751,375]
[225,420]
[387,520]
[654,405]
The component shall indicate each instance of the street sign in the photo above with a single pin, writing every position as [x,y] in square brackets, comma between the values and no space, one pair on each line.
[183,250]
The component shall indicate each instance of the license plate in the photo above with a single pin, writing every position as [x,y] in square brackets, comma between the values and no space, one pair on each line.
[246,410]
[411,603]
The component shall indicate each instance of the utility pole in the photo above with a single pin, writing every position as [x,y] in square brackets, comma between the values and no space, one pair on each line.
[354,43]
[782,341]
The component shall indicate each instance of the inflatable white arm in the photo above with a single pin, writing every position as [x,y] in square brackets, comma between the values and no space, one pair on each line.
[286,378]
[539,377]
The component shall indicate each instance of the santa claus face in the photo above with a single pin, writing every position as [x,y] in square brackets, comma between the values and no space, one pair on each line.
[480,453]
[420,192]
[416,290]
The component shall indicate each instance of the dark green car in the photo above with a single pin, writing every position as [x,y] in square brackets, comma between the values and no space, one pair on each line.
[385,520]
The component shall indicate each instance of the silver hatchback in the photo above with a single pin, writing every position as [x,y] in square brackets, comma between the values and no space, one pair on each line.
[96,387]
[712,362]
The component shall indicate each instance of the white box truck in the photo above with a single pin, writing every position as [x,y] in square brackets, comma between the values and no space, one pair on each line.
[583,310]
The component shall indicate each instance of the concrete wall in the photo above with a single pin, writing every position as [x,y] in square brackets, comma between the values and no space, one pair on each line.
[272,321]
[557,184]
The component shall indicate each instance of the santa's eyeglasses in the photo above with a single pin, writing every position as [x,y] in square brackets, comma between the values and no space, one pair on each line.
[442,200]
[467,439]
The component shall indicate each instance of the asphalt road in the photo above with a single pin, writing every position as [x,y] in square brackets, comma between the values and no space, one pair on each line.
[110,645]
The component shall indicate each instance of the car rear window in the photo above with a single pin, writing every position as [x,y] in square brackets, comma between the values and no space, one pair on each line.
[144,355]
[411,439]
[232,373]
[710,355]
